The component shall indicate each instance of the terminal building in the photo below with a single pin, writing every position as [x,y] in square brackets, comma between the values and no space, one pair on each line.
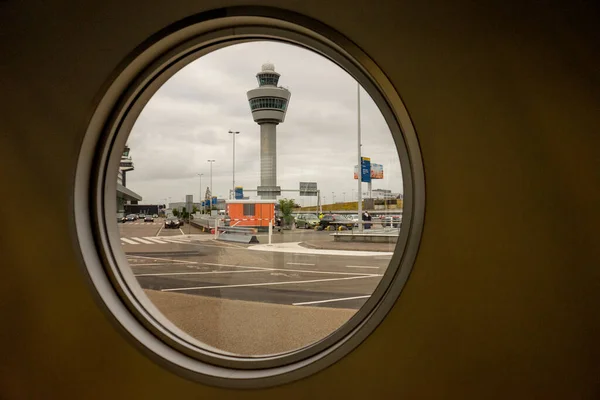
[125,195]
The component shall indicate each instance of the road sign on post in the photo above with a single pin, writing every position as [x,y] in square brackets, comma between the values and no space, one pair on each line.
[308,188]
[366,169]
[189,203]
[239,193]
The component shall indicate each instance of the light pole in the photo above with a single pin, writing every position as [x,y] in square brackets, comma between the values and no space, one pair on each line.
[344,194]
[200,197]
[332,198]
[211,186]
[359,156]
[233,187]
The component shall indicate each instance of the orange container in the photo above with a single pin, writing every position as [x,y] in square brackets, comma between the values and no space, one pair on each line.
[250,213]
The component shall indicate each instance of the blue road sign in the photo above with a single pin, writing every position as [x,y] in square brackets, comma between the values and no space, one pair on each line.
[366,169]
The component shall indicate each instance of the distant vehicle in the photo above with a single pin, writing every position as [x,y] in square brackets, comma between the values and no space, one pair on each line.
[307,221]
[141,216]
[395,221]
[155,216]
[353,217]
[148,218]
[131,217]
[121,218]
[172,222]
[335,220]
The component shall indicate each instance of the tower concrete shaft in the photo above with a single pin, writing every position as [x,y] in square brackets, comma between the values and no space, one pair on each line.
[268,158]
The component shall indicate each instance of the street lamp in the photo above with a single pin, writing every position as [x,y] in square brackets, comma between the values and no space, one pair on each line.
[200,197]
[233,135]
[211,186]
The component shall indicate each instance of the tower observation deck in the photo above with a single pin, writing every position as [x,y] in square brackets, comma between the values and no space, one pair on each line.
[268,104]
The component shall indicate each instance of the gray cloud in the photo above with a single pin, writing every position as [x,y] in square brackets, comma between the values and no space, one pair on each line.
[188,119]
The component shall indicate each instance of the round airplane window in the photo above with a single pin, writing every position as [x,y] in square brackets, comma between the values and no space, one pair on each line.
[268,195]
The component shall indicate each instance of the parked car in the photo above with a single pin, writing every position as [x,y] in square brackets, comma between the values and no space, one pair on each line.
[335,220]
[354,218]
[395,221]
[172,222]
[155,216]
[121,218]
[141,216]
[306,221]
[148,218]
[131,217]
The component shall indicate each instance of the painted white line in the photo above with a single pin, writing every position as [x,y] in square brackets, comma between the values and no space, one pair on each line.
[198,273]
[162,259]
[180,241]
[154,240]
[150,264]
[128,241]
[183,233]
[293,263]
[161,226]
[294,247]
[304,303]
[142,240]
[360,266]
[264,284]
[296,270]
[224,265]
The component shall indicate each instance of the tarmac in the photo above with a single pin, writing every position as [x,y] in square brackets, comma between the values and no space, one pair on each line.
[253,328]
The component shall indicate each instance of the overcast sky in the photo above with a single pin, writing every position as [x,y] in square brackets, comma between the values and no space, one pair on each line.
[187,122]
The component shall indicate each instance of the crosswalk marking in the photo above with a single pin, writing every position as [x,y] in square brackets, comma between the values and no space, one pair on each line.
[143,223]
[142,240]
[154,240]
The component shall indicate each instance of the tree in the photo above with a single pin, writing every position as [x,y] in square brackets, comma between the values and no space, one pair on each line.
[176,212]
[286,206]
[184,213]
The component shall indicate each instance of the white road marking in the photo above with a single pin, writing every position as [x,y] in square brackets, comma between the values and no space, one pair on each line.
[161,226]
[295,270]
[294,247]
[163,259]
[293,263]
[180,241]
[151,264]
[183,233]
[142,240]
[304,303]
[128,241]
[360,266]
[154,240]
[197,273]
[264,284]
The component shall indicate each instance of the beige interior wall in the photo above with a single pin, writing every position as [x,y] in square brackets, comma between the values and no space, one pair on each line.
[503,299]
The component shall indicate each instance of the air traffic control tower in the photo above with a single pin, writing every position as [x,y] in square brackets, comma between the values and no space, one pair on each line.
[268,103]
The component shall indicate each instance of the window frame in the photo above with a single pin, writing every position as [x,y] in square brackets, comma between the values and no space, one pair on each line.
[125,94]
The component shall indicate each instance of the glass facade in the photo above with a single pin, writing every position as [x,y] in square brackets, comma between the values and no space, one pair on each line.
[267,79]
[268,102]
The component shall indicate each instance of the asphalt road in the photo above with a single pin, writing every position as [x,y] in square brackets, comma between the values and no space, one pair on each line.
[186,261]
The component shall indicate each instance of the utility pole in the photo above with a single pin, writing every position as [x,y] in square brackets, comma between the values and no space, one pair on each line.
[211,185]
[233,185]
[359,161]
[200,197]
